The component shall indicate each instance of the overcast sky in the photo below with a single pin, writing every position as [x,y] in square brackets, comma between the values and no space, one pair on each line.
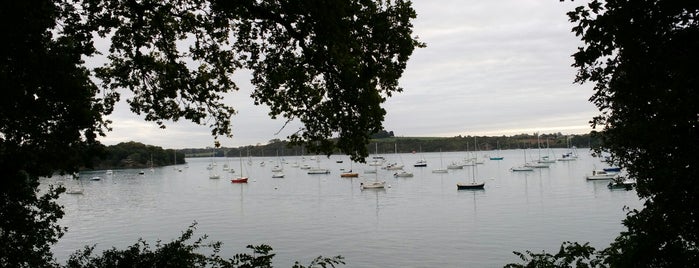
[489,68]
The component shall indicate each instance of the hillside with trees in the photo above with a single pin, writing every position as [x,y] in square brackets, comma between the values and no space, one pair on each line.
[138,155]
[389,143]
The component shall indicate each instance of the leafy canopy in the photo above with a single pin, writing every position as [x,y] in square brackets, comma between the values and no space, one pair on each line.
[641,57]
[329,64]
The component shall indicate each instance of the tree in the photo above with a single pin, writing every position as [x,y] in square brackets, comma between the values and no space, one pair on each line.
[641,57]
[329,64]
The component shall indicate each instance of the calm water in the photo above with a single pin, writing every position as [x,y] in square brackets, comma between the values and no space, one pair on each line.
[421,221]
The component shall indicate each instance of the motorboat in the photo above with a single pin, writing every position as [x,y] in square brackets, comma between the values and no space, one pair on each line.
[602,175]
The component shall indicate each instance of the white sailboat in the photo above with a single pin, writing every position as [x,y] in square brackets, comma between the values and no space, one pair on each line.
[475,153]
[75,189]
[441,164]
[278,170]
[420,162]
[537,163]
[376,184]
[394,165]
[546,159]
[213,174]
[571,155]
[318,170]
[377,159]
[523,167]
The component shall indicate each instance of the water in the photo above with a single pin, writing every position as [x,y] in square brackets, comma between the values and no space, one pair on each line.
[421,221]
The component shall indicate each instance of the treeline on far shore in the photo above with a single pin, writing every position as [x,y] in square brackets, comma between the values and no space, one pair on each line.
[138,155]
[387,143]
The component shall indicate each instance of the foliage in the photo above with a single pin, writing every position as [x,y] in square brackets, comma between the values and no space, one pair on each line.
[382,134]
[28,222]
[346,58]
[641,57]
[326,64]
[137,155]
[181,253]
[49,119]
[174,60]
[571,254]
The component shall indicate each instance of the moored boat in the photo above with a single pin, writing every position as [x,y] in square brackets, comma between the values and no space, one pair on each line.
[372,185]
[240,180]
[626,184]
[318,171]
[470,185]
[403,174]
[602,175]
[349,174]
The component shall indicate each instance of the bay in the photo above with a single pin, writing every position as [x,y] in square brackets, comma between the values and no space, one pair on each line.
[420,221]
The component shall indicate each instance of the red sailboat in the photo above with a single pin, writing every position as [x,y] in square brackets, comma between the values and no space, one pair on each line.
[241,179]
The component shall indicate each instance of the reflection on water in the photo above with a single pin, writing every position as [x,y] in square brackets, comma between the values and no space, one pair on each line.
[422,221]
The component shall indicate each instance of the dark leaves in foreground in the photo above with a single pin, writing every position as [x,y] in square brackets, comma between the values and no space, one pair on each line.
[183,253]
[571,254]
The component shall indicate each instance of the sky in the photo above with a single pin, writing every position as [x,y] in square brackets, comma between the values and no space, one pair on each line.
[490,68]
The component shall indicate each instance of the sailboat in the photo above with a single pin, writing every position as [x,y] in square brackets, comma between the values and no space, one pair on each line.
[212,173]
[241,179]
[349,173]
[278,170]
[571,155]
[473,184]
[420,162]
[523,167]
[475,153]
[318,170]
[76,189]
[546,159]
[376,184]
[543,162]
[499,156]
[441,164]
[394,165]
[378,160]
[538,163]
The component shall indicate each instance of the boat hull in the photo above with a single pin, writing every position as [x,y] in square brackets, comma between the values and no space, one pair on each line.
[318,171]
[470,186]
[239,180]
[600,177]
[372,185]
[621,185]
